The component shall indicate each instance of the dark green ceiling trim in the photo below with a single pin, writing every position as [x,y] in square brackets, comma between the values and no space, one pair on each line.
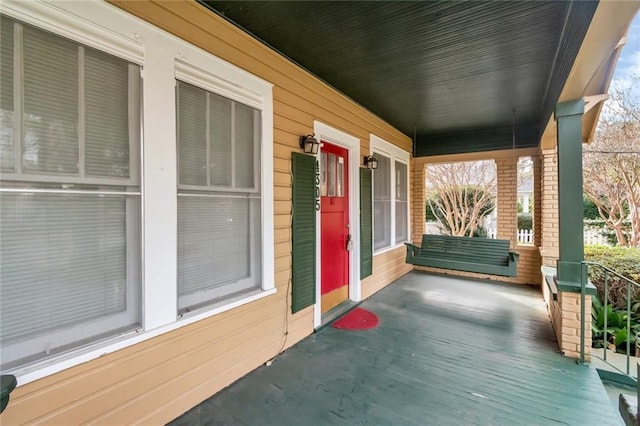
[476,141]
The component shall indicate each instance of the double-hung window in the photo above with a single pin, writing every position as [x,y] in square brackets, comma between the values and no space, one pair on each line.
[401,202]
[219,197]
[69,195]
[390,195]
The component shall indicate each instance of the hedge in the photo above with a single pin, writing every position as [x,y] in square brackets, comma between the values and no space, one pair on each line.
[623,260]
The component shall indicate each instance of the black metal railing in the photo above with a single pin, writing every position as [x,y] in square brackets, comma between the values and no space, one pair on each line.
[630,284]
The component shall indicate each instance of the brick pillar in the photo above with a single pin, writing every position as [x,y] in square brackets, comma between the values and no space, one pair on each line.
[564,312]
[507,200]
[549,230]
[537,200]
[568,328]
[418,167]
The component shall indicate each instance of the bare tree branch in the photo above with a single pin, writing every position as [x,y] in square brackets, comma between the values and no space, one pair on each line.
[461,194]
[611,165]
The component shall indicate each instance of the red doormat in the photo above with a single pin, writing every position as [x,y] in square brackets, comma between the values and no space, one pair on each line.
[357,319]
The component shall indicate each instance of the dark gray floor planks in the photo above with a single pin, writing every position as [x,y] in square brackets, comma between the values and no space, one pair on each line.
[448,351]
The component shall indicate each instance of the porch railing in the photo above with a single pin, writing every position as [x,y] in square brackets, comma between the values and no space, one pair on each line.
[630,284]
[525,236]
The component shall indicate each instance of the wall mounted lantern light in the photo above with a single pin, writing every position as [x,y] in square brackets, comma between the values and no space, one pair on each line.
[370,162]
[309,144]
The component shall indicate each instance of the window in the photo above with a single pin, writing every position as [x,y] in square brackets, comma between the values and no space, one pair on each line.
[73,229]
[332,181]
[69,195]
[402,203]
[390,195]
[382,202]
[219,197]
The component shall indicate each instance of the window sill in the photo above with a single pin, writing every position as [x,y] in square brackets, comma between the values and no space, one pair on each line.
[96,350]
[386,249]
[526,247]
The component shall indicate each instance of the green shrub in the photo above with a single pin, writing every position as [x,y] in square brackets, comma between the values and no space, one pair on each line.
[623,260]
[480,232]
[525,221]
[589,209]
[615,333]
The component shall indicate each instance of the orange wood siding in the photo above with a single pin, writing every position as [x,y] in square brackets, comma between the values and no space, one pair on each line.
[387,267]
[155,381]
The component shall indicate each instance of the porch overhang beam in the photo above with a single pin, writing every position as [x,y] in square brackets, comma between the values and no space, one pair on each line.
[594,65]
[478,140]
[592,101]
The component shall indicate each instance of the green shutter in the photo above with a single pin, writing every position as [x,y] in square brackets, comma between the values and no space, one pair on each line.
[366,224]
[303,229]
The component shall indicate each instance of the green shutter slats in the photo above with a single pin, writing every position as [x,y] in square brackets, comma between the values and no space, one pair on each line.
[303,229]
[366,224]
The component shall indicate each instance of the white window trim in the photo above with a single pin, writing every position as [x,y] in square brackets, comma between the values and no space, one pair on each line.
[394,153]
[162,55]
[105,347]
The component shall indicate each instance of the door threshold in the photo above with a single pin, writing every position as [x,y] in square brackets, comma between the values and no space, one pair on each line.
[335,313]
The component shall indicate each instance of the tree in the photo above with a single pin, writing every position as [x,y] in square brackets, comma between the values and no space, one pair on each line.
[459,195]
[589,209]
[611,165]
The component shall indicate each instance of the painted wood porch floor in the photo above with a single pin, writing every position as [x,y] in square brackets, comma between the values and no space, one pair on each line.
[447,352]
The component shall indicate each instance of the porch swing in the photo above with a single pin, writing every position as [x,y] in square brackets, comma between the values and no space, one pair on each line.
[468,254]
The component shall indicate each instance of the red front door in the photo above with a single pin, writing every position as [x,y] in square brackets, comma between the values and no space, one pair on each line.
[334,226]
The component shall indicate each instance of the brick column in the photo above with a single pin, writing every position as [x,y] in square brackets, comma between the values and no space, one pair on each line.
[507,200]
[549,248]
[567,329]
[418,167]
[565,311]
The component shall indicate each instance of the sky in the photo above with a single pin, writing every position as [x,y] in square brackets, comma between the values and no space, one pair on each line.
[629,62]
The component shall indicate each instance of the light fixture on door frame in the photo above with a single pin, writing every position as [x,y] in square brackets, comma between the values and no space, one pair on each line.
[309,144]
[370,162]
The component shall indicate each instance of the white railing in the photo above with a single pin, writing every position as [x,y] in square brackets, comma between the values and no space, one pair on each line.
[592,236]
[525,236]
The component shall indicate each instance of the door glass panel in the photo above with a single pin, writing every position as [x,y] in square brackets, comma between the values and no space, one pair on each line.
[323,167]
[340,177]
[331,166]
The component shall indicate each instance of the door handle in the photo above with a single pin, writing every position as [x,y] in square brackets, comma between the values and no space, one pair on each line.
[349,243]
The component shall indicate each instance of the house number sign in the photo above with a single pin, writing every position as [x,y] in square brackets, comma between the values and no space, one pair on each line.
[317,186]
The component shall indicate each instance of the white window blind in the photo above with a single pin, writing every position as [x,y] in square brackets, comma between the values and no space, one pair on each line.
[7,134]
[219,199]
[401,202]
[382,202]
[69,201]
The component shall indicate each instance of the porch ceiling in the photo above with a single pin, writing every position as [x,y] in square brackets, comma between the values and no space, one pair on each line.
[452,72]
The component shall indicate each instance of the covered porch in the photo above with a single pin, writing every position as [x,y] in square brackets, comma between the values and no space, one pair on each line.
[410,83]
[447,351]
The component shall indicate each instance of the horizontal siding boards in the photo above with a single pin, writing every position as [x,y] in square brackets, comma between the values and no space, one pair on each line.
[303,229]
[233,343]
[387,267]
[201,27]
[366,224]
